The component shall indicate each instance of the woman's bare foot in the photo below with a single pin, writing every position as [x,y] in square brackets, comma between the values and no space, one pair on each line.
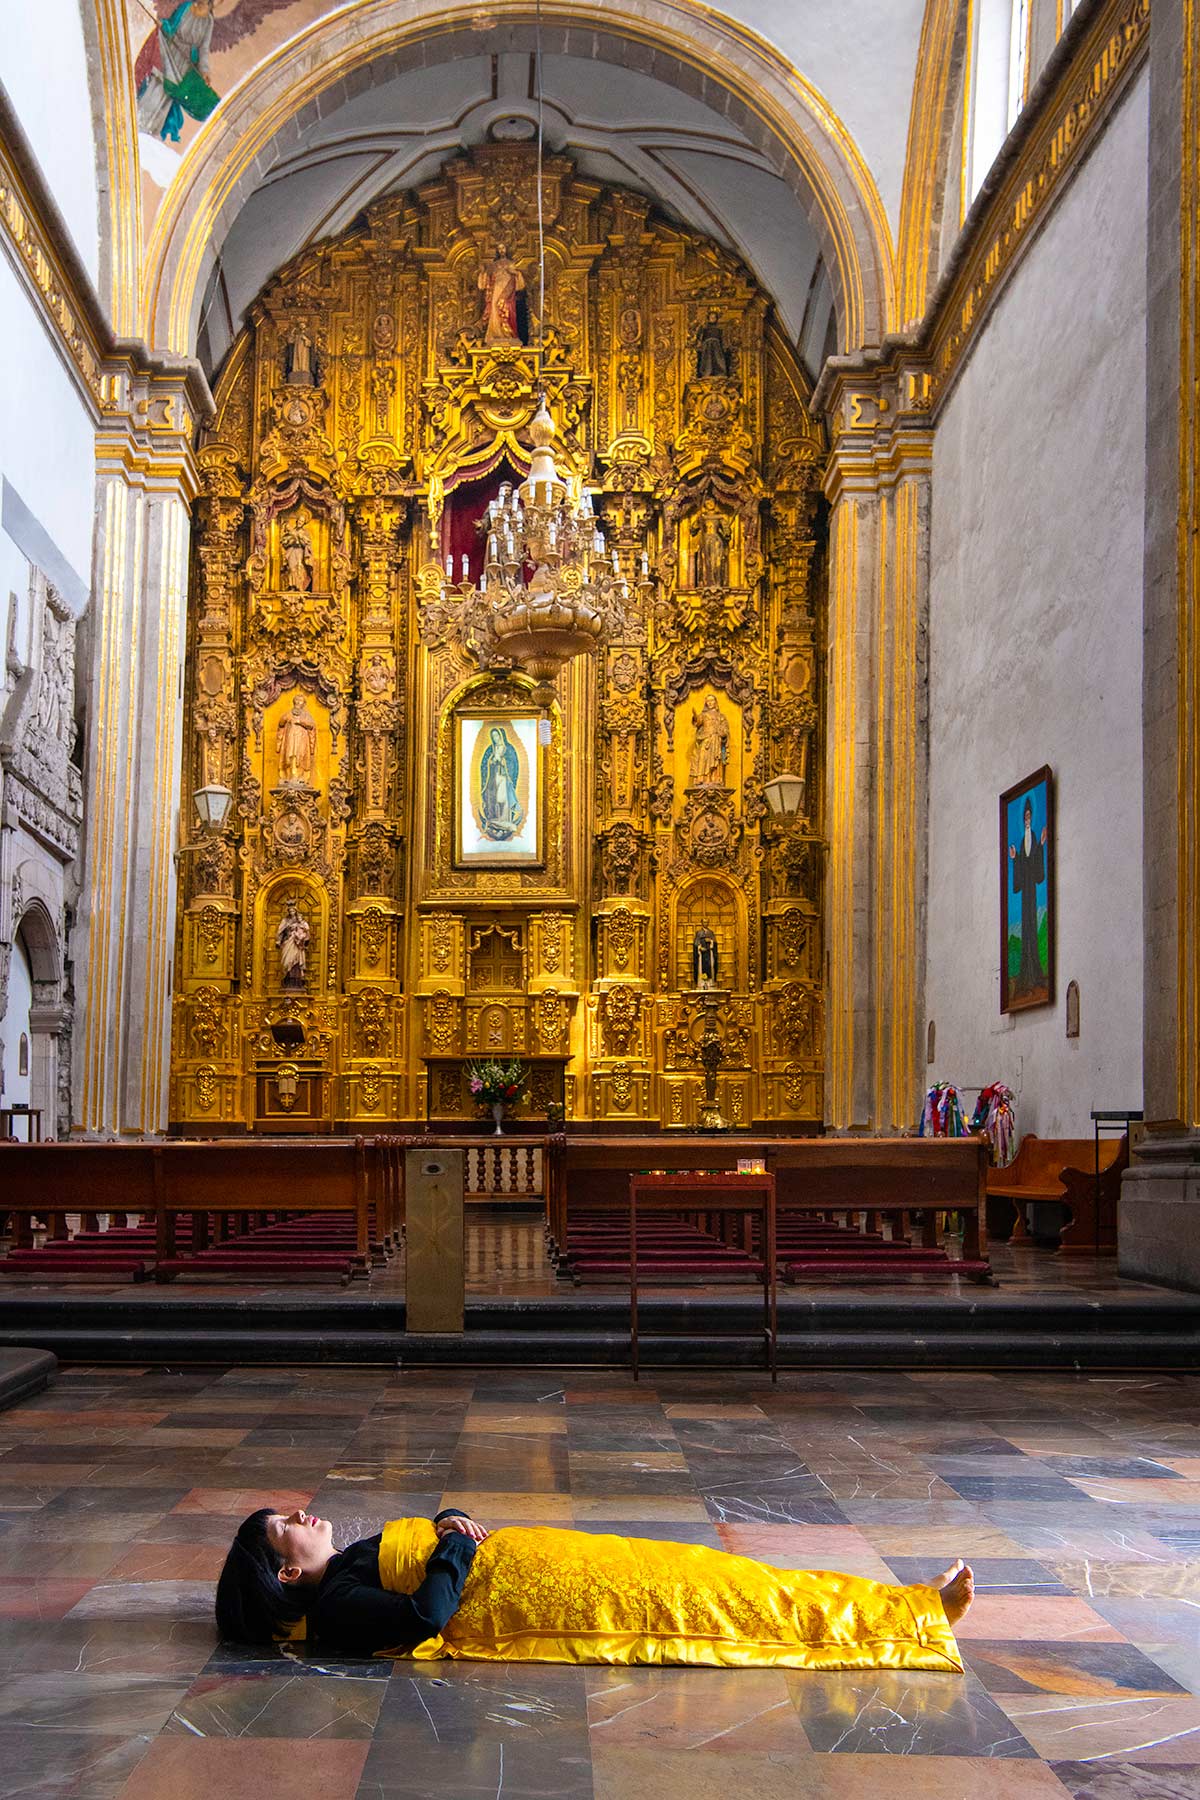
[957,1585]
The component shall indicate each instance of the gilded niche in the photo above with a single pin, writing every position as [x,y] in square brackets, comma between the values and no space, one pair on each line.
[398,824]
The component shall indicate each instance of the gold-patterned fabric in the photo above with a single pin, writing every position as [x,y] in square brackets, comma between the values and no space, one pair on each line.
[539,1594]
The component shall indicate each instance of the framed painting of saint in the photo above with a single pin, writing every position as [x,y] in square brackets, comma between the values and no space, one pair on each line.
[1027,922]
[498,791]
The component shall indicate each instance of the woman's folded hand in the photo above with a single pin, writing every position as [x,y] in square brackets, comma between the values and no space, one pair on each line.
[460,1522]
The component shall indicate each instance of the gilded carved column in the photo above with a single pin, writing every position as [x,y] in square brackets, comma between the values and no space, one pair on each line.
[877,484]
[124,938]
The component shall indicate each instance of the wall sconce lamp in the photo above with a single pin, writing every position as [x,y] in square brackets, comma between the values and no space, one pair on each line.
[212,805]
[785,795]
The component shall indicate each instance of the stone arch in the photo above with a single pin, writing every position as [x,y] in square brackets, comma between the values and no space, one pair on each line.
[716,900]
[713,59]
[35,931]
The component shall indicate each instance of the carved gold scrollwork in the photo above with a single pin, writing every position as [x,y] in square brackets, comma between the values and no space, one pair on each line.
[621,935]
[207,1023]
[620,1012]
[371,1014]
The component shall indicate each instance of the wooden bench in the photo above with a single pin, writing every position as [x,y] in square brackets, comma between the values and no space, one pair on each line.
[815,1177]
[1062,1170]
[239,1194]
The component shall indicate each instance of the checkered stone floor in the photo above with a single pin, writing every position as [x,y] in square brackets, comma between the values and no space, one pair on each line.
[1077,1499]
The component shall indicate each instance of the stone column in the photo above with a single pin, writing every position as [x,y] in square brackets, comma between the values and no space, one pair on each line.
[125,933]
[878,488]
[1159,1234]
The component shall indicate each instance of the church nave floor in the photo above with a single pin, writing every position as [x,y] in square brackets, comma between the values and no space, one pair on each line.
[1077,1499]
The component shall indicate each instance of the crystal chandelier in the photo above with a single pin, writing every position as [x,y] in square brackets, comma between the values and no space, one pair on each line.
[578,596]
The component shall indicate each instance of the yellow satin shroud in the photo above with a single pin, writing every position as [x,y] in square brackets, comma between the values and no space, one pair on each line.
[538,1594]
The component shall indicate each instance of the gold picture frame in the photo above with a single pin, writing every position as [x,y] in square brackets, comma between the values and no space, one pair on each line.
[499,798]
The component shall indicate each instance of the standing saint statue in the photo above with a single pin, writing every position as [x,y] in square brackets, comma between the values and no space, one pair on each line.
[711,560]
[300,367]
[296,743]
[712,353]
[710,748]
[291,941]
[503,288]
[297,558]
[705,956]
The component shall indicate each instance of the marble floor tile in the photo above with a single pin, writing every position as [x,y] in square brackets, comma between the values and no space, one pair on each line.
[283,1706]
[731,1712]
[993,1574]
[621,1773]
[39,1597]
[191,1768]
[1131,1729]
[1128,1781]
[939,1778]
[52,1764]
[106,1704]
[1094,1670]
[897,1713]
[1049,1618]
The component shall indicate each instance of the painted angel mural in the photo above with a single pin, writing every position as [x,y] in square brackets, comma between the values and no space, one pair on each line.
[172,71]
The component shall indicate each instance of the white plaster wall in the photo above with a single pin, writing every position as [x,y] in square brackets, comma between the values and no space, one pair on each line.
[14,1087]
[43,65]
[46,450]
[862,57]
[1035,646]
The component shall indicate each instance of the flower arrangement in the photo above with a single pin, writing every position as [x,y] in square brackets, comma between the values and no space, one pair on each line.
[495,1083]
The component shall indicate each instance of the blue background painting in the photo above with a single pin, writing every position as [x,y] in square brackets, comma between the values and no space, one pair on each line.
[1014,832]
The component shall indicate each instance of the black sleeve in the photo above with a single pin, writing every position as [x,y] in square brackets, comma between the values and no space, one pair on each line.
[361,1619]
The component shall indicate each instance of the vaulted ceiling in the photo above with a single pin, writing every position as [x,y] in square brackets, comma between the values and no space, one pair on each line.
[619,125]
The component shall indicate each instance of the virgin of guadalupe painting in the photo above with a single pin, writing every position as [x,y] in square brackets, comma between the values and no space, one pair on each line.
[499,803]
[1027,893]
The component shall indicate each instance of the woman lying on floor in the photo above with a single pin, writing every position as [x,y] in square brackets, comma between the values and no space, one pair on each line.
[448,1587]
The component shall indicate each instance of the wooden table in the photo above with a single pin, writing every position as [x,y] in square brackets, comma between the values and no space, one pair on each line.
[32,1116]
[707,1191]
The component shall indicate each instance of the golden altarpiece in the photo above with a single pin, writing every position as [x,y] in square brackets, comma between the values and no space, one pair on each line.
[347,939]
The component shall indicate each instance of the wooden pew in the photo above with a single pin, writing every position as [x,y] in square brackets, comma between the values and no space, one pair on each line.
[50,1180]
[814,1176]
[293,1176]
[226,1186]
[1063,1170]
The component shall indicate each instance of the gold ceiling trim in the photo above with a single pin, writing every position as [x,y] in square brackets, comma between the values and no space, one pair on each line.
[43,263]
[923,156]
[200,192]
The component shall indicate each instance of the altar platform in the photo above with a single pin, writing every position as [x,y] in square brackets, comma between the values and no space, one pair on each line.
[1047,1312]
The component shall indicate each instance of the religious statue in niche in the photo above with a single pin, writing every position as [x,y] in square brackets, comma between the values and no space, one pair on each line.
[505,315]
[291,941]
[301,367]
[713,356]
[297,557]
[705,956]
[710,555]
[500,808]
[296,744]
[710,746]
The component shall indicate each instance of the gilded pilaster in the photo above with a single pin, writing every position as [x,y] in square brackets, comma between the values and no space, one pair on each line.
[877,483]
[146,482]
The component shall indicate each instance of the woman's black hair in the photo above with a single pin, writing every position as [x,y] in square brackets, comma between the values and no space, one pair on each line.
[253,1606]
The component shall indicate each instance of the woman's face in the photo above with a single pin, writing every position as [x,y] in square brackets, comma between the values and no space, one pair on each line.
[300,1538]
